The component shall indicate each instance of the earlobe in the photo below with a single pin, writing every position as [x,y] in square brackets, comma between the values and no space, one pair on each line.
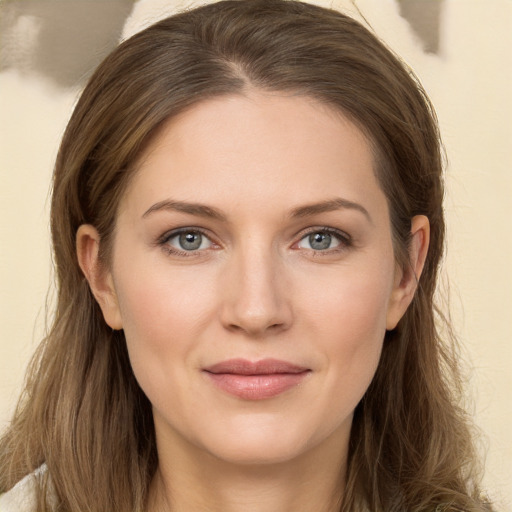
[99,278]
[406,279]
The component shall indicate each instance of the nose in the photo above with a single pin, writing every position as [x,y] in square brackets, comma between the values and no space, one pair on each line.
[255,296]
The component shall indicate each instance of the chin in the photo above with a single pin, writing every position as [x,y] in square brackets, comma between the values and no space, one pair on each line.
[263,441]
[258,453]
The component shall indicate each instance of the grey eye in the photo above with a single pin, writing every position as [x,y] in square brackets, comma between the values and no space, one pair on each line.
[189,241]
[319,241]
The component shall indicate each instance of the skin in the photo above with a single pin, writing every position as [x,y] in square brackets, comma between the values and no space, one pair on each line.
[257,287]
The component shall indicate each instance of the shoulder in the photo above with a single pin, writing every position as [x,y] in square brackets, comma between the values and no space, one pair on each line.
[22,497]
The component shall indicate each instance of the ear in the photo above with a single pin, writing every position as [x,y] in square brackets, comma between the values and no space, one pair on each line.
[99,278]
[406,279]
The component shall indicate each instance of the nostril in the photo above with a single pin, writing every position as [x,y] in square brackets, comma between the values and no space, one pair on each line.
[256,329]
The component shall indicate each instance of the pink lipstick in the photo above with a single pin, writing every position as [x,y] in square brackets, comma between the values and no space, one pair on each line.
[256,380]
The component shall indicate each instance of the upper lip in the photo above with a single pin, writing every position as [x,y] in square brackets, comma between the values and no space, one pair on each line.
[261,367]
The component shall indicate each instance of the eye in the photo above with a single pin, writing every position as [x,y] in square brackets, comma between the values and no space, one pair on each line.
[323,240]
[187,241]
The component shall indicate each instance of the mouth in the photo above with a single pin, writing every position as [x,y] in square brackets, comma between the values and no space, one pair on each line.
[257,380]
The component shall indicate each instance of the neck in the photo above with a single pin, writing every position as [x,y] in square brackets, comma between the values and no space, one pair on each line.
[188,480]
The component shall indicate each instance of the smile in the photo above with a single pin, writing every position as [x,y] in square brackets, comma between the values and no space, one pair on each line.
[256,380]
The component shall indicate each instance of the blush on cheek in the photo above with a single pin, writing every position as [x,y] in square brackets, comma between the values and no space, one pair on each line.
[354,325]
[356,308]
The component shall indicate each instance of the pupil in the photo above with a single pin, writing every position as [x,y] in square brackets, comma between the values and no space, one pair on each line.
[190,241]
[320,241]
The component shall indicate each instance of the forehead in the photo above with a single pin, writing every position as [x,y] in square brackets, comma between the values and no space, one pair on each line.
[259,148]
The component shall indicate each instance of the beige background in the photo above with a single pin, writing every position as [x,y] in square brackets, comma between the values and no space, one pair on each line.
[467,70]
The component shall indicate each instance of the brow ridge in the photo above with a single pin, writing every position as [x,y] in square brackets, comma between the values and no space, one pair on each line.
[330,205]
[185,207]
[299,212]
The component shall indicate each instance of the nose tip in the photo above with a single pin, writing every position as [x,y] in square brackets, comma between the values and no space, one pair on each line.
[255,299]
[256,322]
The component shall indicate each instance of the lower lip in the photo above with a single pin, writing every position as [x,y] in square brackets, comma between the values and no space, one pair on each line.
[256,387]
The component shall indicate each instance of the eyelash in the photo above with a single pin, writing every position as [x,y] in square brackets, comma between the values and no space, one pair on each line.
[345,241]
[164,240]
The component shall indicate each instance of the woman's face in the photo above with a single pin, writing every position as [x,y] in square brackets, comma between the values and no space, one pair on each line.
[254,277]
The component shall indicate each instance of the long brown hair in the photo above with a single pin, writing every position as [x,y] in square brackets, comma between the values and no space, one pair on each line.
[83,413]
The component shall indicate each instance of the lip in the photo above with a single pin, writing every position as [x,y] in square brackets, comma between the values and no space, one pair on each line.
[256,380]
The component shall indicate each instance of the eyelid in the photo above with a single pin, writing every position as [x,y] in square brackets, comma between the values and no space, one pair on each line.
[178,231]
[344,238]
[163,240]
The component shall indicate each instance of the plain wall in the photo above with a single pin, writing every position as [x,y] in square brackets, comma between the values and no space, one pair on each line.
[469,81]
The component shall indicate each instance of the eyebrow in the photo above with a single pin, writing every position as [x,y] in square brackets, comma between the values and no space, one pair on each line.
[202,210]
[330,205]
[184,207]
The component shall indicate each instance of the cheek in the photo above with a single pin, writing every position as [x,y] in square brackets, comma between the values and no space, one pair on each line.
[153,301]
[351,304]
[162,314]
[348,319]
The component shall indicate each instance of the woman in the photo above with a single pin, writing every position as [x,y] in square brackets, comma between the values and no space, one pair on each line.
[247,223]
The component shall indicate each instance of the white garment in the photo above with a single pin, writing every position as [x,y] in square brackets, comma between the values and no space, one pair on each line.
[22,497]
